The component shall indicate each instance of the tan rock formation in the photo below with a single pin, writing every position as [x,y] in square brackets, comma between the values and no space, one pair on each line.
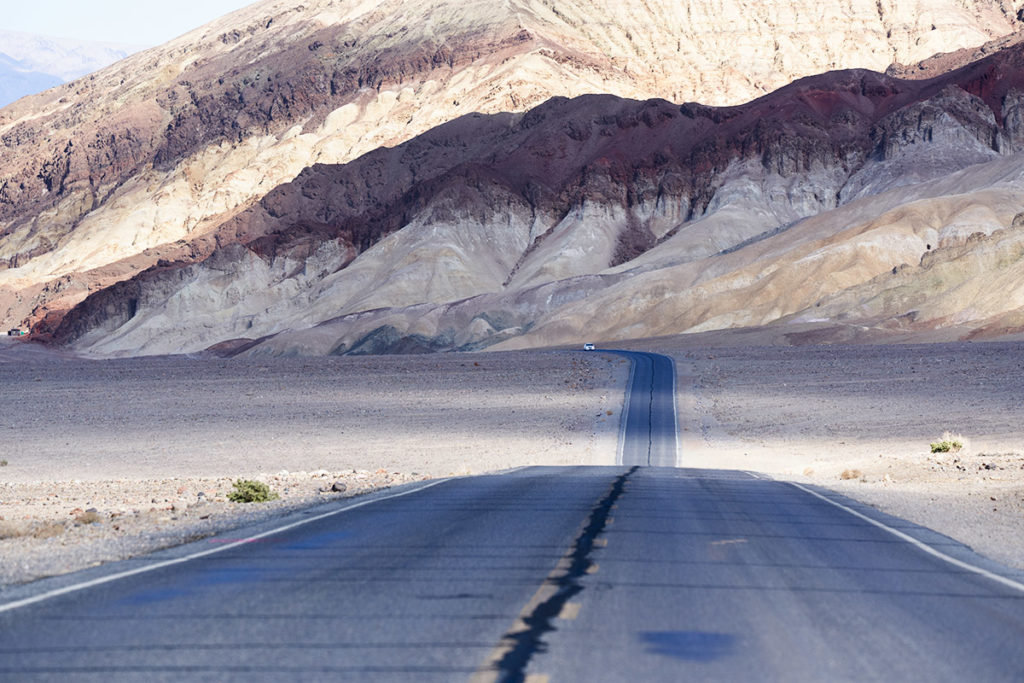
[142,161]
[846,198]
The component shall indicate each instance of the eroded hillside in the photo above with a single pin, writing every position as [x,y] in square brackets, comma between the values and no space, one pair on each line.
[142,162]
[616,219]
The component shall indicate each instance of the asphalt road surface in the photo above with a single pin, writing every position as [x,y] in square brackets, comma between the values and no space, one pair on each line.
[546,574]
[649,433]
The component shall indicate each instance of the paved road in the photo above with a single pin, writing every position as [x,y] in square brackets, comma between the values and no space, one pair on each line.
[649,435]
[578,574]
[582,574]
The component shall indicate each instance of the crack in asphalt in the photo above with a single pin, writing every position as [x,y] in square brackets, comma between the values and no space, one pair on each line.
[650,418]
[523,644]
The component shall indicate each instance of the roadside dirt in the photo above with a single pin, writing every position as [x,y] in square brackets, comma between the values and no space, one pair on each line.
[109,459]
[861,419]
[106,460]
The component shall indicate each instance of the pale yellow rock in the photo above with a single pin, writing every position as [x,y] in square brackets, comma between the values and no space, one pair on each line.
[717,52]
[832,267]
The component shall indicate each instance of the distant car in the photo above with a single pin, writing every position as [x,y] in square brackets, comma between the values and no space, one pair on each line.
[588,347]
[15,333]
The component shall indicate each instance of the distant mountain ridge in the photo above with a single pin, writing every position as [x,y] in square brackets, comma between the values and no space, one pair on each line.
[18,80]
[32,63]
[147,161]
[612,218]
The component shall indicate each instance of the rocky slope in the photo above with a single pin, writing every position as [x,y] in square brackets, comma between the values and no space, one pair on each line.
[851,196]
[143,161]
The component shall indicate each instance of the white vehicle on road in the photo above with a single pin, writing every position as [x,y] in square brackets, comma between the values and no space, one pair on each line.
[588,347]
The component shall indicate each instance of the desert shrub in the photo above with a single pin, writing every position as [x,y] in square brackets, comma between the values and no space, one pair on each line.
[950,443]
[47,529]
[851,474]
[89,517]
[249,491]
[33,529]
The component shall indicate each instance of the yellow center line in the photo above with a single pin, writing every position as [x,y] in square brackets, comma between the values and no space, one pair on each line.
[488,672]
[570,610]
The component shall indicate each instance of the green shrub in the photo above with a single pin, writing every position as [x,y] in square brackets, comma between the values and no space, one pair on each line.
[249,491]
[949,444]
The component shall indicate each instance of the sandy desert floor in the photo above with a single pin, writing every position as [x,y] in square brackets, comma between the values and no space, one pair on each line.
[107,459]
[860,419]
[137,441]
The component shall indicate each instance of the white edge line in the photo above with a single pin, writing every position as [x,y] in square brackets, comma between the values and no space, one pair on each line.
[1010,583]
[179,560]
[624,413]
[510,470]
[675,410]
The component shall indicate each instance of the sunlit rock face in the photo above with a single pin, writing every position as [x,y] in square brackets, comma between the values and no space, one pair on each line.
[614,219]
[144,161]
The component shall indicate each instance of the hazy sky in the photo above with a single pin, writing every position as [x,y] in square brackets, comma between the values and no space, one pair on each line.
[137,22]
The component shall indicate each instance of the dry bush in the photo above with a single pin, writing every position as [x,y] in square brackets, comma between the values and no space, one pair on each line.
[88,518]
[249,491]
[9,530]
[950,443]
[851,474]
[35,530]
[47,530]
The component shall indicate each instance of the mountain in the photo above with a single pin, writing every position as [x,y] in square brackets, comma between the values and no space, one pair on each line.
[30,63]
[848,197]
[150,160]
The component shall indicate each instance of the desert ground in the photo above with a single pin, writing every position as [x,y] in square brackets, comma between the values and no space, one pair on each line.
[104,460]
[860,419]
[109,459]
